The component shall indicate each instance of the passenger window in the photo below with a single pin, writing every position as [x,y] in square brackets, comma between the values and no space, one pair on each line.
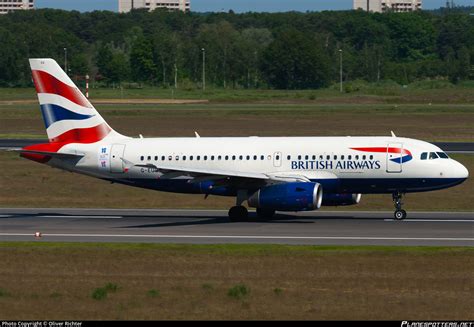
[205,158]
[288,157]
[254,157]
[198,158]
[233,157]
[371,157]
[142,158]
[342,157]
[299,157]
[156,158]
[262,157]
[149,158]
[335,157]
[442,155]
[350,157]
[170,158]
[226,157]
[184,158]
[424,156]
[328,157]
[277,157]
[321,157]
[212,157]
[191,158]
[306,157]
[433,155]
[177,158]
[248,157]
[241,157]
[364,157]
[219,158]
[314,157]
[357,157]
[163,158]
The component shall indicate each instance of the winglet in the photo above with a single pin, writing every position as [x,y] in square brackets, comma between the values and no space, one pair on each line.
[393,134]
[197,135]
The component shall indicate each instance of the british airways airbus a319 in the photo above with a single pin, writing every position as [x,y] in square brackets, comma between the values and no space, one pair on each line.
[269,173]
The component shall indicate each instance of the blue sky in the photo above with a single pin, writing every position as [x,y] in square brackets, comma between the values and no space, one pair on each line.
[236,5]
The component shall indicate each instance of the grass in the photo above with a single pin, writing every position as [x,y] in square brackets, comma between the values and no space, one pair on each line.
[327,282]
[153,293]
[422,121]
[385,92]
[238,291]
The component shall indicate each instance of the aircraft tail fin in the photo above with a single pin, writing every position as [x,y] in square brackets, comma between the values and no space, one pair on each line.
[68,115]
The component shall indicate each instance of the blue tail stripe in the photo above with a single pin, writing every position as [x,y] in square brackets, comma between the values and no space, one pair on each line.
[53,113]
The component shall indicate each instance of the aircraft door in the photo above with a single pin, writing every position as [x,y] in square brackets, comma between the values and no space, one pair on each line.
[394,157]
[277,159]
[116,155]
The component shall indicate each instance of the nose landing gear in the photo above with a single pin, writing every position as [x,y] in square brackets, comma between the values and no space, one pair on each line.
[399,213]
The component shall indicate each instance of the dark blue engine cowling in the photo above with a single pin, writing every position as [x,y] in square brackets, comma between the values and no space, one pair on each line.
[288,197]
[345,199]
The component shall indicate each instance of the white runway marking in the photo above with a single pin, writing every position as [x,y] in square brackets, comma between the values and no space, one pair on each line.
[434,220]
[256,237]
[82,217]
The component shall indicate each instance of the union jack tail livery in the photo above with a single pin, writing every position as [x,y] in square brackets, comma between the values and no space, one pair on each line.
[68,115]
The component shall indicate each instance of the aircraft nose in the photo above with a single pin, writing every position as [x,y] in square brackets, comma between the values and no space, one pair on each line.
[461,171]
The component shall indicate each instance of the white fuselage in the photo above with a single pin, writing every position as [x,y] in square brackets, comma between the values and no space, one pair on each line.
[335,162]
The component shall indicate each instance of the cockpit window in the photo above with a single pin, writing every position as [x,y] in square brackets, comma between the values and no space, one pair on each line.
[433,155]
[442,155]
[424,156]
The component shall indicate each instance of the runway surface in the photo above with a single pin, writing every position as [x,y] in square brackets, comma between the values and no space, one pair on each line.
[213,226]
[450,147]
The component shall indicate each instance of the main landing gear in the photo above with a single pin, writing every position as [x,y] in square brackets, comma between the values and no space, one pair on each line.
[399,213]
[238,213]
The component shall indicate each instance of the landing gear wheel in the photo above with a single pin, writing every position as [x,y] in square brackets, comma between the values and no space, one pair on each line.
[238,213]
[400,214]
[265,213]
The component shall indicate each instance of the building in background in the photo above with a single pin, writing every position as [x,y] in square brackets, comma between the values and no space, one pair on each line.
[127,5]
[12,5]
[388,5]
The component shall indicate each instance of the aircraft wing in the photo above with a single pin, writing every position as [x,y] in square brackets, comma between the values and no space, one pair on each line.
[203,174]
[213,174]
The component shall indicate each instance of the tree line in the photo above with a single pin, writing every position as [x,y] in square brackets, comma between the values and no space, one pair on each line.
[252,50]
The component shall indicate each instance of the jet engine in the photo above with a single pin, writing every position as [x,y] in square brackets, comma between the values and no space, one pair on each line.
[294,196]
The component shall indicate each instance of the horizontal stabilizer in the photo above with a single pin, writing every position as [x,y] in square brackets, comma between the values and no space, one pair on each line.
[51,154]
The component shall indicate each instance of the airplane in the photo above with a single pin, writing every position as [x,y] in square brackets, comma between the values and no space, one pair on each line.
[287,174]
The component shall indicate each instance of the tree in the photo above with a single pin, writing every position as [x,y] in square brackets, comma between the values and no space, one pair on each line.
[143,68]
[293,61]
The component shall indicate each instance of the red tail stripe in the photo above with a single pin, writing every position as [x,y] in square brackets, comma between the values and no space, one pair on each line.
[46,83]
[83,135]
[384,150]
[80,135]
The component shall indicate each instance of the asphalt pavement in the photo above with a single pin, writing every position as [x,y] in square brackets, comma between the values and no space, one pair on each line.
[213,226]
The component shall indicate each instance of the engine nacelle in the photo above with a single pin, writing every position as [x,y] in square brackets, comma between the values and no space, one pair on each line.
[288,197]
[345,199]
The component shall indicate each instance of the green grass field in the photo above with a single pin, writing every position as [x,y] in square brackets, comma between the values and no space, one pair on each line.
[57,281]
[356,91]
[428,122]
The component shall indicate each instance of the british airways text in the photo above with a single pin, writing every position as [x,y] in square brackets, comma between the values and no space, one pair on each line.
[340,165]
